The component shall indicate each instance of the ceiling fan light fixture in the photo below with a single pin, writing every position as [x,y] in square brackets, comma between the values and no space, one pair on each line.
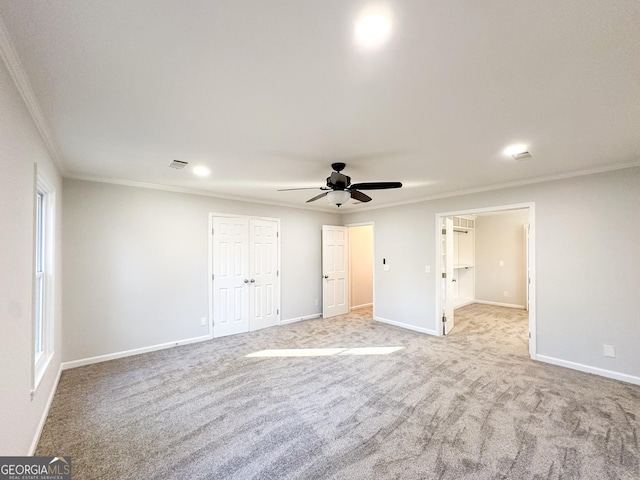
[338,197]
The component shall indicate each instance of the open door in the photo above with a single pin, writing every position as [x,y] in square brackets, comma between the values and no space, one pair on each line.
[447,275]
[527,279]
[335,271]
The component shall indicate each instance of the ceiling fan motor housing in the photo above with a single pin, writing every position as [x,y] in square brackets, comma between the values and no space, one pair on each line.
[338,181]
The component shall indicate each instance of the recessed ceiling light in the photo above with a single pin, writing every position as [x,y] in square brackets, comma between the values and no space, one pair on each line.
[516,149]
[372,30]
[201,171]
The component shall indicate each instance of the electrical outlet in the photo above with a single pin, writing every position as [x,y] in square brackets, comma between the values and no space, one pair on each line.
[505,293]
[609,351]
[427,269]
[317,302]
[203,321]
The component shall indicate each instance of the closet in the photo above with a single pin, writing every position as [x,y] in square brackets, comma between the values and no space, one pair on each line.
[464,281]
[245,274]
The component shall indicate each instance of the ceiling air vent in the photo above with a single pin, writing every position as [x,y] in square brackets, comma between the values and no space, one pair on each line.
[522,156]
[178,164]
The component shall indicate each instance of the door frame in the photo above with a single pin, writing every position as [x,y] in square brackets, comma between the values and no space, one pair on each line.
[210,263]
[532,263]
[373,262]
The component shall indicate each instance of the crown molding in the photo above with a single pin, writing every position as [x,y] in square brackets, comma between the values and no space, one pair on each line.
[360,206]
[195,191]
[501,186]
[12,61]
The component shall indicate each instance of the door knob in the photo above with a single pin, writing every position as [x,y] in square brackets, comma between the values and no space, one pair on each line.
[246,280]
[326,276]
[253,281]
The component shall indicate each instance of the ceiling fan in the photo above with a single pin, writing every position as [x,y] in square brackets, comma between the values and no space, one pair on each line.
[339,188]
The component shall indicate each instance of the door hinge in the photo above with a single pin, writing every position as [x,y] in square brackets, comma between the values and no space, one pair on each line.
[278,311]
[213,276]
[212,230]
[444,319]
[444,275]
[277,234]
[277,273]
[444,231]
[529,334]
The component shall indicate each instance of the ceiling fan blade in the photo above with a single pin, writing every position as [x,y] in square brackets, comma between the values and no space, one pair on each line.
[316,197]
[303,188]
[356,195]
[376,185]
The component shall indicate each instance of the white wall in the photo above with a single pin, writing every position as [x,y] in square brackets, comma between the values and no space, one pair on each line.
[500,257]
[136,264]
[587,237]
[21,147]
[361,265]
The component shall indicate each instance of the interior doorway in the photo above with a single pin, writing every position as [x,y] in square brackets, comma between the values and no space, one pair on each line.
[347,269]
[360,266]
[498,270]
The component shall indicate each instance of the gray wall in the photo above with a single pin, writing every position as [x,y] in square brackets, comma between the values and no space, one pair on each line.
[21,147]
[588,264]
[136,264]
[500,238]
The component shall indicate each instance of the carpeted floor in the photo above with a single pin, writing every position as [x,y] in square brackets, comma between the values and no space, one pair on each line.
[467,406]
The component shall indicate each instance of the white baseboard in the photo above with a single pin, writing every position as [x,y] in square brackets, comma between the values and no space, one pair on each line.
[623,377]
[128,353]
[499,304]
[45,413]
[300,319]
[464,304]
[405,325]
[364,305]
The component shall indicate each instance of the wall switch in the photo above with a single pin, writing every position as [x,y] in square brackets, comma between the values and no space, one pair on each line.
[502,265]
[427,269]
[317,302]
[505,293]
[203,321]
[609,351]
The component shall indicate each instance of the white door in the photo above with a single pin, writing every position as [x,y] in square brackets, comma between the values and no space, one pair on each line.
[527,280]
[448,280]
[230,276]
[264,274]
[335,278]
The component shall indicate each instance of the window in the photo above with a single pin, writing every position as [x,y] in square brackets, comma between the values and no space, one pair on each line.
[43,280]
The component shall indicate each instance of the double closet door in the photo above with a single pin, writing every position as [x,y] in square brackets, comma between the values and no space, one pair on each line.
[246,280]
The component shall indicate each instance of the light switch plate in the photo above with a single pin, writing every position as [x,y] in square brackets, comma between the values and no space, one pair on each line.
[609,351]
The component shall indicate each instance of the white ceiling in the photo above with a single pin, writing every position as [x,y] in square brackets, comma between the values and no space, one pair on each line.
[268,94]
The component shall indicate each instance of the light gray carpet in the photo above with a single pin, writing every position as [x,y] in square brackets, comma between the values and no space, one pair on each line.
[468,406]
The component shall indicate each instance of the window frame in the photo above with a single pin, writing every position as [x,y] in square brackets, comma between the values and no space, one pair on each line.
[43,279]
